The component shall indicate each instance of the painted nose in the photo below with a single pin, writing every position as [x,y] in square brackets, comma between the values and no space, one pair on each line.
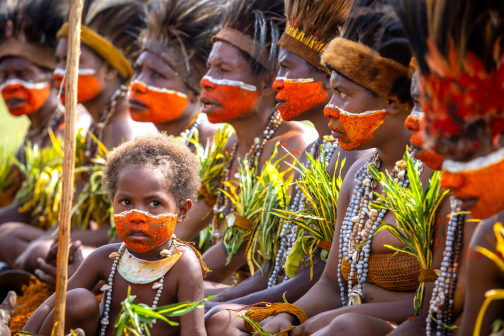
[278,85]
[138,87]
[412,123]
[206,84]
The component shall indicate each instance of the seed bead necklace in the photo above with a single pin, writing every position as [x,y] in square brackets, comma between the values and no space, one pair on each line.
[441,304]
[290,229]
[190,129]
[107,289]
[355,229]
[223,204]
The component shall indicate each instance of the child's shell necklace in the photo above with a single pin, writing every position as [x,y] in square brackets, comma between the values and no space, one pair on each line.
[108,288]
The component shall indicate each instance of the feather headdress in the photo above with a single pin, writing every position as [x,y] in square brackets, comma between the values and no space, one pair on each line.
[180,32]
[458,46]
[28,29]
[254,26]
[111,28]
[311,24]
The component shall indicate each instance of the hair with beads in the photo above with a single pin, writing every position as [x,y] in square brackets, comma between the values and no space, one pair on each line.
[179,164]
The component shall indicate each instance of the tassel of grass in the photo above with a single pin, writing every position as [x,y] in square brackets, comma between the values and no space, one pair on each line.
[415,212]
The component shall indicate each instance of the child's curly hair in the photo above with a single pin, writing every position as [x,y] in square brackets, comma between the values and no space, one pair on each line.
[181,167]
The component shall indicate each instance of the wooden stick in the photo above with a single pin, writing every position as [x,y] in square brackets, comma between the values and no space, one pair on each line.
[72,69]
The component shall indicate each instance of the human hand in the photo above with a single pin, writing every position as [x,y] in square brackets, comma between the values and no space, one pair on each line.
[47,268]
[6,310]
[278,323]
[314,324]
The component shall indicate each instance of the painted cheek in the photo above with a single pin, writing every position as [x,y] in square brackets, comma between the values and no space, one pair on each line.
[88,87]
[300,97]
[161,105]
[34,98]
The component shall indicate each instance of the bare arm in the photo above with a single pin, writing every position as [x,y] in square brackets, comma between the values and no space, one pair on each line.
[190,288]
[87,276]
[10,213]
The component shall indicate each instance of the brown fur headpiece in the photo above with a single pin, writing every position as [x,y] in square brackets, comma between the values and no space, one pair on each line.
[28,29]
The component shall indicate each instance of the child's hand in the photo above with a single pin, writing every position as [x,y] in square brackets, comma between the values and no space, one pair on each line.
[6,311]
[47,268]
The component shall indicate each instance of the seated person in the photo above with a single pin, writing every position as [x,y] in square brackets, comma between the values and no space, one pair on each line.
[152,182]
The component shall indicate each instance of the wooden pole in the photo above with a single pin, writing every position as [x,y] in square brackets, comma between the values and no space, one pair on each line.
[68,163]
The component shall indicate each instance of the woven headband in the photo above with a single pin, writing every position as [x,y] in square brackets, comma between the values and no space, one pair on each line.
[244,43]
[190,74]
[367,68]
[35,54]
[304,46]
[103,48]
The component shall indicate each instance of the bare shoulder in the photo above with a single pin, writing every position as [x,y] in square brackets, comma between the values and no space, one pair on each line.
[189,262]
[104,251]
[293,129]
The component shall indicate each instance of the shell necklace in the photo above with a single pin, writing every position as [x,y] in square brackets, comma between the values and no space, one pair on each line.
[289,229]
[116,256]
[356,229]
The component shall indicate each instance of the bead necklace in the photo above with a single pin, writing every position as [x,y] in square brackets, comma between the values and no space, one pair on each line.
[97,128]
[116,256]
[356,229]
[441,304]
[49,123]
[289,230]
[223,204]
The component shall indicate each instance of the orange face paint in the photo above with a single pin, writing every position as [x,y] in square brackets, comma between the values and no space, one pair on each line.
[24,97]
[480,179]
[88,85]
[161,105]
[228,98]
[430,158]
[356,128]
[296,96]
[141,231]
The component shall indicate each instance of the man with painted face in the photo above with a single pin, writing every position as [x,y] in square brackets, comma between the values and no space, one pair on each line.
[108,46]
[362,287]
[165,86]
[27,45]
[237,89]
[460,80]
[303,90]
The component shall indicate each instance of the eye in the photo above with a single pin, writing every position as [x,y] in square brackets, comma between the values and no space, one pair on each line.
[343,95]
[125,202]
[158,75]
[154,203]
[224,69]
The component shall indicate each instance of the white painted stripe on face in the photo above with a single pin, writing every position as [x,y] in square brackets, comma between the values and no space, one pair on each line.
[28,85]
[229,82]
[476,164]
[125,213]
[83,72]
[354,114]
[164,90]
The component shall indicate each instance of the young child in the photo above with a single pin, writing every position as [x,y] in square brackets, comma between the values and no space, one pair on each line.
[152,182]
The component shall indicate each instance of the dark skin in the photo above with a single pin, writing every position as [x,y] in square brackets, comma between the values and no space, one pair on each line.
[142,188]
[255,289]
[36,244]
[227,62]
[324,296]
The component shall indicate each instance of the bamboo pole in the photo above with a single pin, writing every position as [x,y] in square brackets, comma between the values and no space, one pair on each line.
[72,69]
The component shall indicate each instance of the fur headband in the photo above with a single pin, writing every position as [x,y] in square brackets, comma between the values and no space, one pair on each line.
[366,67]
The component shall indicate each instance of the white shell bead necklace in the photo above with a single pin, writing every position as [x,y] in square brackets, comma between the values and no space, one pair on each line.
[107,289]
[289,229]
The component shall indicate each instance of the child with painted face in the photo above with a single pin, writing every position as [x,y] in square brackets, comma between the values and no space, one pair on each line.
[152,182]
[303,90]
[237,89]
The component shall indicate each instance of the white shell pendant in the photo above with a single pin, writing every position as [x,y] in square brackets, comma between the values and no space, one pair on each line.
[165,253]
[105,288]
[157,285]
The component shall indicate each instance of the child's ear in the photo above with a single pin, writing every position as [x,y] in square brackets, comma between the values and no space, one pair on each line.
[184,210]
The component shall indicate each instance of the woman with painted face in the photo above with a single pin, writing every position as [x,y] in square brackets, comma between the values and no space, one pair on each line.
[237,89]
[303,90]
[460,80]
[364,287]
[165,86]
[27,44]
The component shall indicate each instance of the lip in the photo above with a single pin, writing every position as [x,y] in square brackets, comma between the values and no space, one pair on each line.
[209,105]
[280,102]
[14,103]
[336,134]
[135,104]
[467,202]
[137,235]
